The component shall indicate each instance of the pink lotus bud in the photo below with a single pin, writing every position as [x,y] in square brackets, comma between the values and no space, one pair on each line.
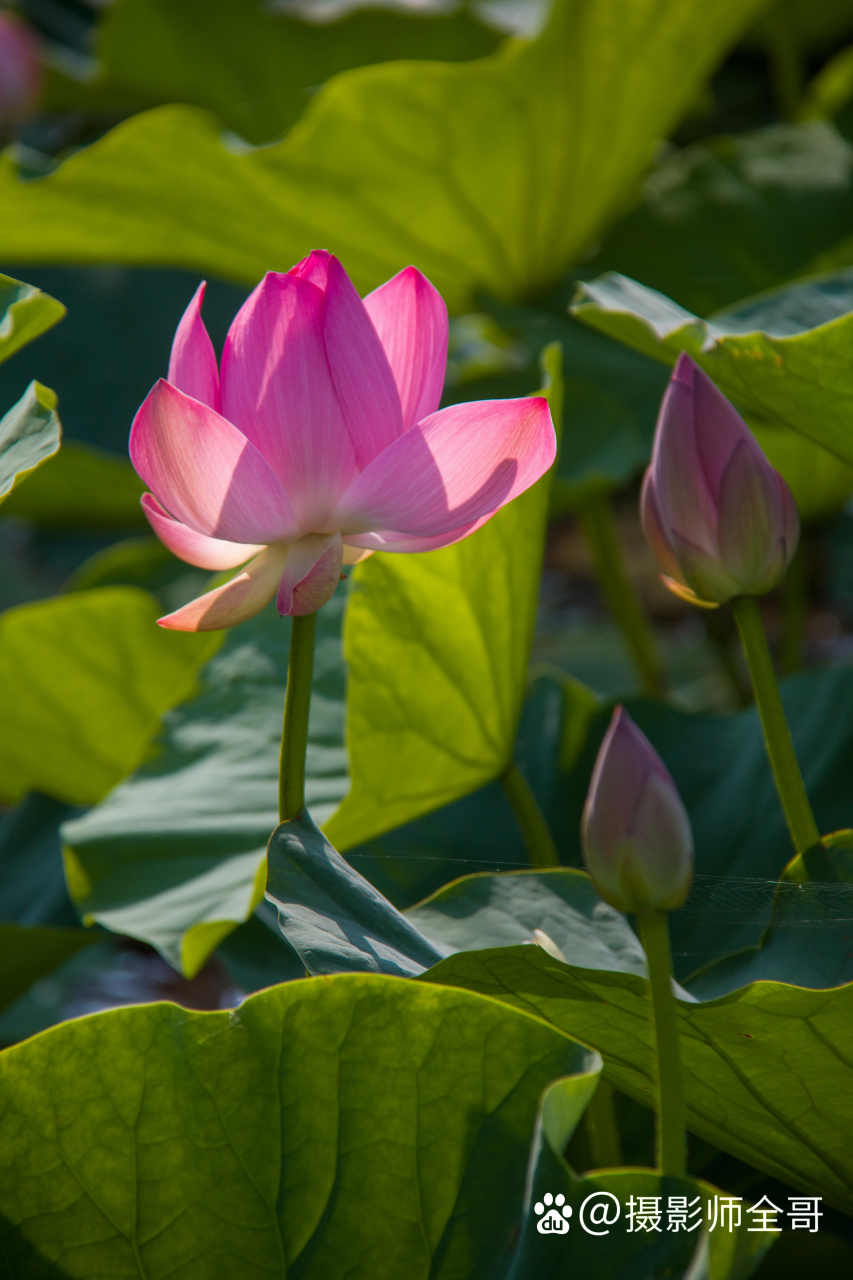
[637,843]
[719,519]
[20,70]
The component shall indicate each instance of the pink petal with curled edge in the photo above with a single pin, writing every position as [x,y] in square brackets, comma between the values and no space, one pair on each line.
[239,599]
[314,268]
[195,548]
[205,472]
[311,573]
[456,466]
[390,540]
[192,364]
[410,317]
[360,368]
[278,389]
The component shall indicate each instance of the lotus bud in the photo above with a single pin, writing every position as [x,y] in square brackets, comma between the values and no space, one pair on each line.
[638,847]
[720,520]
[20,70]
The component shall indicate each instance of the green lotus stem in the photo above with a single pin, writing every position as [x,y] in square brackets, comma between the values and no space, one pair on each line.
[795,600]
[670,1140]
[599,527]
[777,735]
[722,633]
[297,704]
[537,834]
[602,1130]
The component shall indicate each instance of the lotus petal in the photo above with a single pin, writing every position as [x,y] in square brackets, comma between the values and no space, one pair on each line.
[456,466]
[192,364]
[241,598]
[205,472]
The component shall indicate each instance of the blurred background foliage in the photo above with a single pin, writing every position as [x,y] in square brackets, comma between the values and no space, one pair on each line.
[751,190]
[176,137]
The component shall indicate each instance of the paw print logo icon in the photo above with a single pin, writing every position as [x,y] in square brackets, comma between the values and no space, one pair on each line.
[553,1215]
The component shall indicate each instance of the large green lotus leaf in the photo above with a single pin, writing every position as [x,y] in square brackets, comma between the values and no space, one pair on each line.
[398,163]
[29,435]
[332,917]
[354,1126]
[30,431]
[767,1069]
[257,955]
[719,764]
[175,855]
[337,921]
[716,222]
[437,648]
[731,216]
[493,910]
[255,68]
[807,942]
[82,488]
[781,356]
[25,312]
[617,1248]
[30,952]
[720,767]
[85,679]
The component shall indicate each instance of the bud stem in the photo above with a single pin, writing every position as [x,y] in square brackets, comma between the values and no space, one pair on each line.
[670,1140]
[297,703]
[599,527]
[777,735]
[537,834]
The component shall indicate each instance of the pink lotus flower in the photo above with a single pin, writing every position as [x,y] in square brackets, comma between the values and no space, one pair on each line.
[20,70]
[720,520]
[319,441]
[638,847]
